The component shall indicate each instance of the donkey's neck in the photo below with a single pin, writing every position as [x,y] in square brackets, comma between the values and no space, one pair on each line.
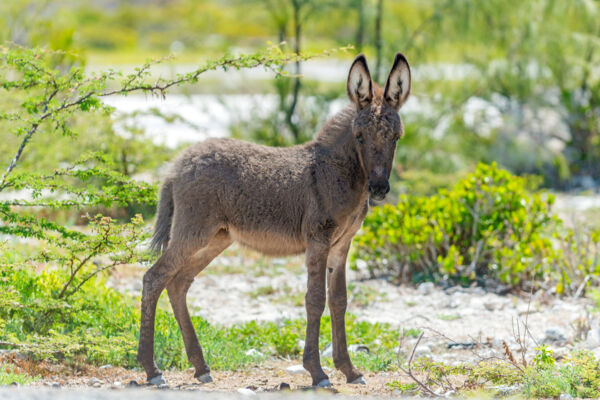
[337,129]
[339,145]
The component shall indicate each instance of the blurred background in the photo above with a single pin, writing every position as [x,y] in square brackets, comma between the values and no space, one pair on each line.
[511,81]
[494,207]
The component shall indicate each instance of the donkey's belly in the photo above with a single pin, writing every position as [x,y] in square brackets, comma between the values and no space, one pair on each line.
[271,244]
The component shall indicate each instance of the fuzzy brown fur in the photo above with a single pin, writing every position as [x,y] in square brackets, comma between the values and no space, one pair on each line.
[308,198]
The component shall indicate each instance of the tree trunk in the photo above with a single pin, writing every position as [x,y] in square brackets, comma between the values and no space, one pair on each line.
[360,30]
[296,92]
[378,40]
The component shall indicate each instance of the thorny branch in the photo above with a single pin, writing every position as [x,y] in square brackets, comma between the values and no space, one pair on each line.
[135,82]
[408,370]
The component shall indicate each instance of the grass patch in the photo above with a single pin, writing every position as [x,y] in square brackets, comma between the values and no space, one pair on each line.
[98,325]
[9,375]
[448,317]
[578,376]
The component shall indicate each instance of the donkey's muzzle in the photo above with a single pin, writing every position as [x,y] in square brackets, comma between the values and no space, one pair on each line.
[379,189]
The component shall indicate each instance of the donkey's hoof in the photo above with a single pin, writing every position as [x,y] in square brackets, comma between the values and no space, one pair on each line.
[205,378]
[158,380]
[324,383]
[358,381]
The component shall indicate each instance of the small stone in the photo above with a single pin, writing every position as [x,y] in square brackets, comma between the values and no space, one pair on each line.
[163,386]
[358,348]
[554,335]
[117,385]
[95,382]
[296,370]
[246,392]
[54,385]
[133,384]
[15,384]
[565,396]
[422,351]
[106,366]
[284,386]
[426,288]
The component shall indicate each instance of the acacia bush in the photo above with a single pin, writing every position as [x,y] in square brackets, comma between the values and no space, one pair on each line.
[490,225]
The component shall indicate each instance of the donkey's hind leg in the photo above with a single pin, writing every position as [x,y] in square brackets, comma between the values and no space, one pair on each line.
[177,289]
[155,281]
[179,251]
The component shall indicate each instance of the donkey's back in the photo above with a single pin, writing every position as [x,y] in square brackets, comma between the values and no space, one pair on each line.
[257,194]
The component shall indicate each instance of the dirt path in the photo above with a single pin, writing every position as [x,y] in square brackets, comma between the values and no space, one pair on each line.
[271,377]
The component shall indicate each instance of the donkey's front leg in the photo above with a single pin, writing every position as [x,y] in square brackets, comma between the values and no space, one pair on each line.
[338,301]
[316,261]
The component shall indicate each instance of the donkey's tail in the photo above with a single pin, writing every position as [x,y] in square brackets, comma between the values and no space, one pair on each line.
[162,230]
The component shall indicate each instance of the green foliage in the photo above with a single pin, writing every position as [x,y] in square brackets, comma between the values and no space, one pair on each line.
[544,358]
[459,233]
[578,376]
[404,388]
[489,225]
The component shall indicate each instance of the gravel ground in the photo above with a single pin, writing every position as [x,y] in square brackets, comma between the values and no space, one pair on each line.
[126,394]
[265,289]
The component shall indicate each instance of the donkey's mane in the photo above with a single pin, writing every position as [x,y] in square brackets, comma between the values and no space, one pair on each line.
[337,128]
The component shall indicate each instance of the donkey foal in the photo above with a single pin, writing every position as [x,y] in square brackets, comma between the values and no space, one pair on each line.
[308,198]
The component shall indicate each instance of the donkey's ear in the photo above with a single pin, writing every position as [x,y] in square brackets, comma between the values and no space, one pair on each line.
[359,85]
[397,87]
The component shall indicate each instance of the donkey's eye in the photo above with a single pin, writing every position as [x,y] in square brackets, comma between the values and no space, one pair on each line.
[360,139]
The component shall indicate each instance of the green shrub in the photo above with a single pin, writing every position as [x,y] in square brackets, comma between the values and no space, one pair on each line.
[491,224]
[578,376]
[461,233]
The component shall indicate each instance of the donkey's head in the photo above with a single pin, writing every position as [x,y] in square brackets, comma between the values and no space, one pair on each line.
[377,125]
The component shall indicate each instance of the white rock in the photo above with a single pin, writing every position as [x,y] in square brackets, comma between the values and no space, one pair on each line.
[246,392]
[554,335]
[106,366]
[593,339]
[296,370]
[426,288]
[254,353]
[358,348]
[327,351]
[565,396]
[422,350]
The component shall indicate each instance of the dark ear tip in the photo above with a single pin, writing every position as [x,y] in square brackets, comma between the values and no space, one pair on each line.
[360,58]
[400,58]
